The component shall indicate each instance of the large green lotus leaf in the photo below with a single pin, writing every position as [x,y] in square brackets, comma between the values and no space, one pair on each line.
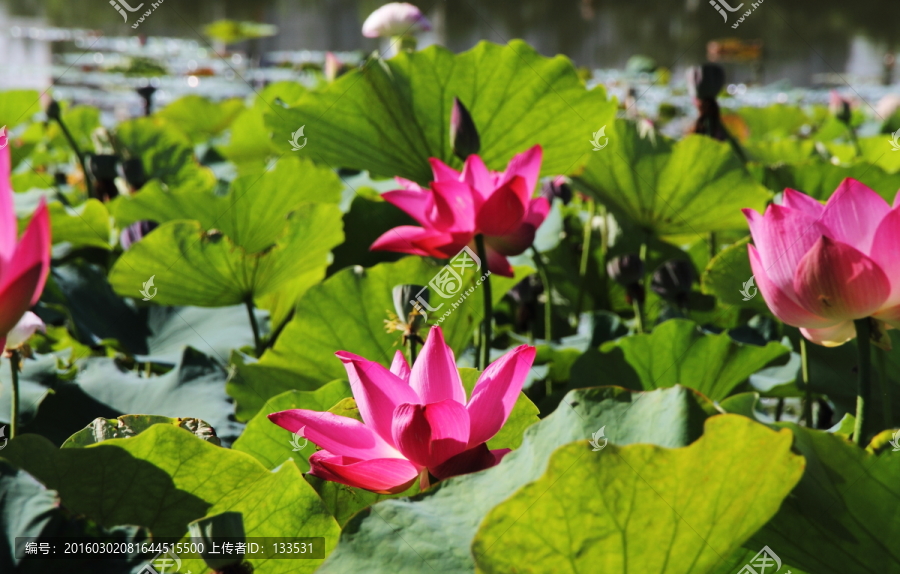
[215,332]
[167,154]
[362,300]
[677,352]
[84,226]
[726,275]
[641,508]
[437,527]
[26,509]
[820,179]
[773,122]
[126,426]
[693,186]
[193,267]
[81,291]
[200,118]
[391,116]
[365,222]
[787,150]
[844,514]
[253,214]
[879,151]
[743,556]
[164,478]
[195,388]
[38,376]
[17,106]
[271,444]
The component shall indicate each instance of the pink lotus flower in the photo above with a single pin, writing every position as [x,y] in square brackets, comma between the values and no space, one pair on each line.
[459,206]
[820,267]
[395,19]
[415,422]
[24,264]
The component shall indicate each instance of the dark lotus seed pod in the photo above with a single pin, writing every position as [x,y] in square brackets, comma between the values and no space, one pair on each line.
[463,134]
[673,280]
[705,81]
[626,269]
[135,232]
[133,169]
[53,110]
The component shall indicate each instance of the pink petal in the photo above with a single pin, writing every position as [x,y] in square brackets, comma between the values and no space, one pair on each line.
[885,251]
[434,376]
[8,226]
[831,336]
[526,165]
[430,434]
[377,392]
[496,392]
[782,236]
[336,434]
[383,475]
[798,200]
[418,204]
[781,304]
[853,213]
[497,263]
[400,367]
[34,246]
[479,178]
[443,172]
[417,241]
[836,281]
[521,239]
[15,296]
[473,460]
[454,209]
[505,209]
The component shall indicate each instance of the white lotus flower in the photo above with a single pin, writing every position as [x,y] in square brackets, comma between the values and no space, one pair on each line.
[395,19]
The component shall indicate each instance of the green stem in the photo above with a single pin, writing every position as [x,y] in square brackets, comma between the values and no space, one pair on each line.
[888,409]
[638,315]
[864,387]
[411,349]
[79,155]
[488,305]
[548,295]
[256,338]
[14,395]
[713,245]
[804,370]
[585,257]
[779,410]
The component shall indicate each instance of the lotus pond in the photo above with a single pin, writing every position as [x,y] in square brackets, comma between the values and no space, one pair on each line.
[426,311]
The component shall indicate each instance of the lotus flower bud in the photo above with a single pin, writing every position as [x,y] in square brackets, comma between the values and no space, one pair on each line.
[53,111]
[211,531]
[395,19]
[626,269]
[705,81]
[839,106]
[146,94]
[407,306]
[135,176]
[463,134]
[557,187]
[673,280]
[135,232]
